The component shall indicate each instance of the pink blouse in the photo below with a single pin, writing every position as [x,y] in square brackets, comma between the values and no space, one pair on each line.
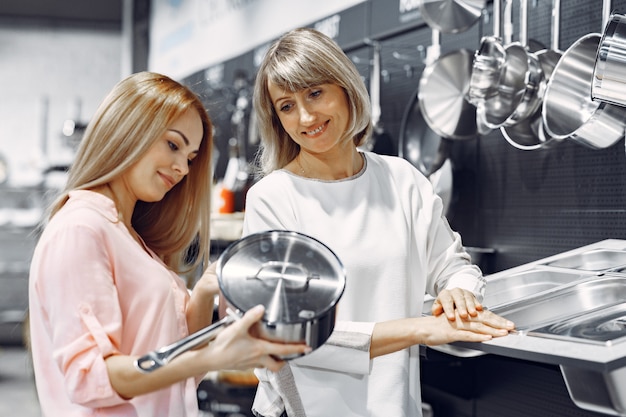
[94,292]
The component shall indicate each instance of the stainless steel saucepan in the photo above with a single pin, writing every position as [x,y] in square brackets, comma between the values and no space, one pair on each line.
[609,73]
[518,89]
[568,109]
[529,134]
[297,278]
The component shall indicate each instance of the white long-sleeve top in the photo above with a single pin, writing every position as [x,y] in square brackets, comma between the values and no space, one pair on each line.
[387,227]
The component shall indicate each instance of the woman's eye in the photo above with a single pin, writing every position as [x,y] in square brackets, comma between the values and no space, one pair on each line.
[316,93]
[285,107]
[172,145]
[189,162]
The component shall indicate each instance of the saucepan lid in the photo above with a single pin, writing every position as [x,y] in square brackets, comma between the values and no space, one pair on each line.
[295,276]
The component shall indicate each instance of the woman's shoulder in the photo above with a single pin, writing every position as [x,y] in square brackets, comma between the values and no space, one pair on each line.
[274,182]
[391,163]
[85,208]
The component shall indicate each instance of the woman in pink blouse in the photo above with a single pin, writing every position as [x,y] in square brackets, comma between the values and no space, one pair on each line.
[105,285]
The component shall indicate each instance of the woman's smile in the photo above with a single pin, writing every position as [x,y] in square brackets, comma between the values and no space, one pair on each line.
[169,181]
[318,130]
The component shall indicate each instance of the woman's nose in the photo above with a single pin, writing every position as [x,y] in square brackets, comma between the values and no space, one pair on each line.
[181,165]
[305,114]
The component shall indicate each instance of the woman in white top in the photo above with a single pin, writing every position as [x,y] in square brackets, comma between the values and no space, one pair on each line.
[383,220]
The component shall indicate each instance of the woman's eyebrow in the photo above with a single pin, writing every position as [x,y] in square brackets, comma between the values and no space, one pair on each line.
[182,135]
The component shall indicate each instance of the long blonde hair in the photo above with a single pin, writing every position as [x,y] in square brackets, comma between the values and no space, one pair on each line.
[131,118]
[300,59]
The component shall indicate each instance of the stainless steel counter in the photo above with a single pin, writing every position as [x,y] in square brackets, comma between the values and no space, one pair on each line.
[594,370]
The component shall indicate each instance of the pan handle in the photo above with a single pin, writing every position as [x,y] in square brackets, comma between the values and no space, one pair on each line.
[160,357]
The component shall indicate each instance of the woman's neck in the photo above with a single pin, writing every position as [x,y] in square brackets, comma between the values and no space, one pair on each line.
[124,206]
[328,166]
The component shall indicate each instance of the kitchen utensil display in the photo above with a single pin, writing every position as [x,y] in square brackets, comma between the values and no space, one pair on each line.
[297,278]
[519,83]
[451,16]
[568,109]
[609,73]
[529,133]
[443,91]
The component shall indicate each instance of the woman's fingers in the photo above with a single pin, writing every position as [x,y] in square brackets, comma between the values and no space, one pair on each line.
[252,316]
[485,322]
[456,301]
[264,353]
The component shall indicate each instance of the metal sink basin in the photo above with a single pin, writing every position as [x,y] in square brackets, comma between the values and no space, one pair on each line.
[605,326]
[593,260]
[572,310]
[508,288]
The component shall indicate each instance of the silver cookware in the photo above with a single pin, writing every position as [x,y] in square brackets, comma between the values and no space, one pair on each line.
[519,87]
[609,73]
[451,16]
[568,109]
[297,278]
[529,133]
[443,91]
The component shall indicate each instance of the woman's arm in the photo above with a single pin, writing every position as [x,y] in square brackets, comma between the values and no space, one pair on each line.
[200,308]
[233,348]
[395,335]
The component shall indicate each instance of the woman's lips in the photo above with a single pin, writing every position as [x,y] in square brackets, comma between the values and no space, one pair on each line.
[317,130]
[169,181]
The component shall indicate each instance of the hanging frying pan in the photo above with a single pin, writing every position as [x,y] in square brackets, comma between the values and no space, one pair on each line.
[297,278]
[426,150]
[443,89]
[419,144]
[451,16]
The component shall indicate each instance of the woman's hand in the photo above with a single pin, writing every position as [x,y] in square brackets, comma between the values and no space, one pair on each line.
[200,308]
[482,326]
[236,348]
[392,336]
[208,284]
[456,301]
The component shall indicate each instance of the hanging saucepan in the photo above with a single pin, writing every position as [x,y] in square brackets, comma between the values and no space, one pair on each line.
[488,62]
[443,91]
[568,109]
[451,16]
[487,68]
[609,73]
[297,278]
[529,134]
[517,94]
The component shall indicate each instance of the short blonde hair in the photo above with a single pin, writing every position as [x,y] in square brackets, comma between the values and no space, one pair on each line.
[133,116]
[304,58]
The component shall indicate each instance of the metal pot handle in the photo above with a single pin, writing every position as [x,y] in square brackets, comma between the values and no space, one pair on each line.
[157,358]
[296,276]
